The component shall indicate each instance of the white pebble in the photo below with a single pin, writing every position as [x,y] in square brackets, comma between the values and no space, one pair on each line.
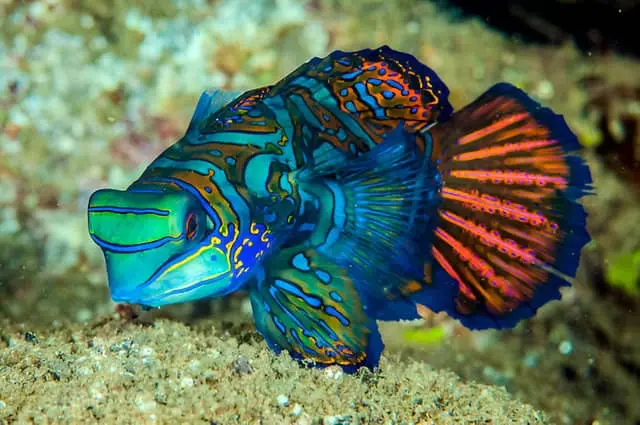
[2,404]
[565,347]
[37,10]
[83,371]
[333,420]
[145,405]
[95,392]
[334,372]
[98,43]
[282,400]
[86,21]
[146,351]
[413,27]
[187,382]
[297,410]
[545,89]
[8,192]
[84,315]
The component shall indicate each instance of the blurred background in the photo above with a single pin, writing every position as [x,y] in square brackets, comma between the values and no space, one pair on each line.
[91,91]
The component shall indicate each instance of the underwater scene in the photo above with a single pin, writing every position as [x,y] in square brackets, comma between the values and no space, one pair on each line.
[319,212]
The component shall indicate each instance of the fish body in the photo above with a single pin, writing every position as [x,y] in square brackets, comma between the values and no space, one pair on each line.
[350,192]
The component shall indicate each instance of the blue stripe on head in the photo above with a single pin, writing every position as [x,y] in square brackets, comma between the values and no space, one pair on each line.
[134,247]
[121,210]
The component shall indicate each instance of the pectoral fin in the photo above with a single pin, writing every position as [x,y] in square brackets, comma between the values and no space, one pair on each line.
[307,305]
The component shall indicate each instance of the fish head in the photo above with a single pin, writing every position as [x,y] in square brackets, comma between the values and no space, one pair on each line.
[161,247]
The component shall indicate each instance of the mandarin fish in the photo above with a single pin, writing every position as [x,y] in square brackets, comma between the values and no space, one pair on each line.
[347,193]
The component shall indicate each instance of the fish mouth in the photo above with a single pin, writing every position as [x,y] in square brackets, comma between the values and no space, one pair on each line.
[129,297]
[147,296]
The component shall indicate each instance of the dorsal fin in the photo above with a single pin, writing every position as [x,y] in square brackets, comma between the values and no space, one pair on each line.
[210,101]
[350,99]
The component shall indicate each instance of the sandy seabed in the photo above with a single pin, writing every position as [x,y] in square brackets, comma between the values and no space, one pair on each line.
[114,371]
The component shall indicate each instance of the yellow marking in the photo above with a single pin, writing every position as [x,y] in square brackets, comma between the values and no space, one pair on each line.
[212,276]
[265,236]
[254,229]
[197,253]
[236,254]
[411,287]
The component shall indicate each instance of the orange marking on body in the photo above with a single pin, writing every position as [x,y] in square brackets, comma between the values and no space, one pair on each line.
[465,254]
[410,287]
[492,128]
[545,240]
[450,270]
[510,177]
[494,302]
[493,238]
[529,275]
[503,150]
[546,164]
[484,203]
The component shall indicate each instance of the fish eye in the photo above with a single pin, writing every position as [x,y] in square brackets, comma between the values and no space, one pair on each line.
[191,226]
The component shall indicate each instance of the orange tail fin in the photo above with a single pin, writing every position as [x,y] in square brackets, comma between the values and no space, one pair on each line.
[510,230]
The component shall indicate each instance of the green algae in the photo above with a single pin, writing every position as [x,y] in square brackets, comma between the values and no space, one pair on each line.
[422,335]
[623,272]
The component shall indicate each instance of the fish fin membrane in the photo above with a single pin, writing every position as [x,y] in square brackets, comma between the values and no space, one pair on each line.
[307,305]
[210,102]
[385,206]
[348,97]
[510,226]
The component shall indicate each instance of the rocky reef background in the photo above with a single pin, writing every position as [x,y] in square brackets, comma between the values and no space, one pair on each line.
[91,91]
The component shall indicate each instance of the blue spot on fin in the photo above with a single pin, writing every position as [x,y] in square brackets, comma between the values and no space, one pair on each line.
[320,319]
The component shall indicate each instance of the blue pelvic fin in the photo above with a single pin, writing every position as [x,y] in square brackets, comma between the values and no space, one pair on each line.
[306,304]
